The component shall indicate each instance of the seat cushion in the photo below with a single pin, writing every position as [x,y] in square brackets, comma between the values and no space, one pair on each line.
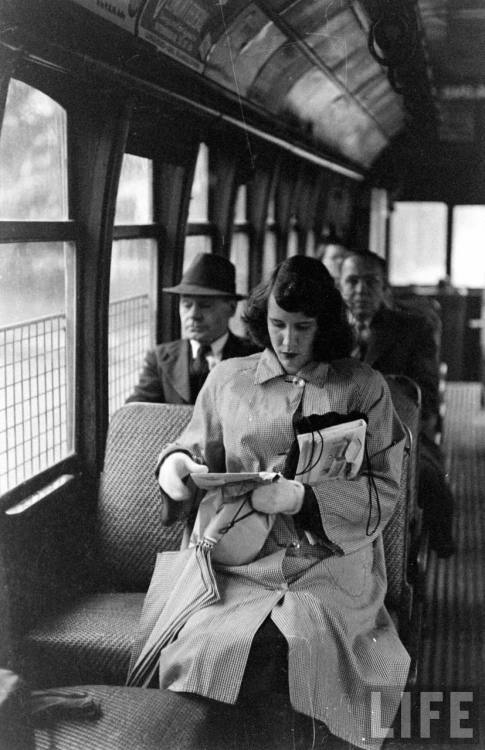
[141,719]
[131,719]
[88,642]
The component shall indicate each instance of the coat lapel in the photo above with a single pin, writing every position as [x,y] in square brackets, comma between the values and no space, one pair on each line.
[176,369]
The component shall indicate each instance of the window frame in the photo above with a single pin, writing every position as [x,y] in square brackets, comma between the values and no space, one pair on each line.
[23,232]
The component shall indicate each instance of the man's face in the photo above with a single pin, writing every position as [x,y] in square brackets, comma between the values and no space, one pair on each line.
[363,287]
[205,319]
[332,259]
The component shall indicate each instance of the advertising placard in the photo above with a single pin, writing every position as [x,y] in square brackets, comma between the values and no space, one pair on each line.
[121,12]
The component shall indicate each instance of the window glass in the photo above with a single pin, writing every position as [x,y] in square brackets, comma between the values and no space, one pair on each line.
[417,243]
[269,254]
[33,173]
[199,198]
[194,245]
[134,203]
[36,358]
[130,314]
[240,215]
[271,211]
[378,221]
[240,258]
[292,243]
[310,244]
[467,256]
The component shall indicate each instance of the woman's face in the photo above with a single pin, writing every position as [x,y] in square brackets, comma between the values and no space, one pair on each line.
[292,335]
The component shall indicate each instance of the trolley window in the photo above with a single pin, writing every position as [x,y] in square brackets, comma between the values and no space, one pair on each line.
[199,230]
[133,278]
[37,282]
[467,256]
[418,243]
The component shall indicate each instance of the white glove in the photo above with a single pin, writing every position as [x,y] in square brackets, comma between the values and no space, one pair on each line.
[175,468]
[282,496]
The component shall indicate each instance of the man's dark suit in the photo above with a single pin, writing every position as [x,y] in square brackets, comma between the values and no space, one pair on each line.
[165,378]
[404,344]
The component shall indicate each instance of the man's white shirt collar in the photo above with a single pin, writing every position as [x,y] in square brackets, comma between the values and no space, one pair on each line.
[216,346]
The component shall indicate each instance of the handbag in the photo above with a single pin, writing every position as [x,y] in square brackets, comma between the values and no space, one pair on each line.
[227,523]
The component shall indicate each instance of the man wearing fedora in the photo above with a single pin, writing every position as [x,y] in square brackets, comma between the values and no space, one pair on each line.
[174,372]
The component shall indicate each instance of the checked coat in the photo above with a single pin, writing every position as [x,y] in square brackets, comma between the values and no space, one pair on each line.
[327,599]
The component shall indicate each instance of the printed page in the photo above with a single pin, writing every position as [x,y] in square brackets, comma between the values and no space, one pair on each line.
[220,479]
[332,451]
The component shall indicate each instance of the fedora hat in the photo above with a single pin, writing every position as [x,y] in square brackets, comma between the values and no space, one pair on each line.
[208,275]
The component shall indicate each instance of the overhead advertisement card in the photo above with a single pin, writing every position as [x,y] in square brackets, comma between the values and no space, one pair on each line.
[180,28]
[123,13]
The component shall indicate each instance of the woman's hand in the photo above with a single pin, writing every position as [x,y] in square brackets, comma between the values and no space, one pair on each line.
[282,496]
[174,471]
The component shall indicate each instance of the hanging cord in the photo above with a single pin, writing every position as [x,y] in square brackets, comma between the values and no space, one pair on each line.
[371,483]
[237,517]
[311,465]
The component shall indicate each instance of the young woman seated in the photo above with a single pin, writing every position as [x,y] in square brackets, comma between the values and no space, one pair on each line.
[306,618]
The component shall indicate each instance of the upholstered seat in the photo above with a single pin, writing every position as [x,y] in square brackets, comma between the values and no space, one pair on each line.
[131,719]
[89,639]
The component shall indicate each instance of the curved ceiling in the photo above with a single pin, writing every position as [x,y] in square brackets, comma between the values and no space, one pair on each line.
[356,80]
[305,62]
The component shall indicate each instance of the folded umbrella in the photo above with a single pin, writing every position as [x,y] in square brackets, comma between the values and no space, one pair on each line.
[224,513]
[195,588]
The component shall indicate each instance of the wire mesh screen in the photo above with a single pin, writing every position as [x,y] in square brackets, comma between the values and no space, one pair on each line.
[34,420]
[129,338]
[37,385]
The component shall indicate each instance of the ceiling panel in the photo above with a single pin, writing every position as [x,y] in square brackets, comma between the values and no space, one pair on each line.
[335,119]
[235,60]
[306,17]
[455,36]
[307,61]
[279,75]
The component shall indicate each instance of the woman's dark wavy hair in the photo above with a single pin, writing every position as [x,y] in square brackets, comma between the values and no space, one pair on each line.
[302,284]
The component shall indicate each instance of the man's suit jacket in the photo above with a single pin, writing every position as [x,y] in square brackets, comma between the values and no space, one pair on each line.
[165,377]
[404,344]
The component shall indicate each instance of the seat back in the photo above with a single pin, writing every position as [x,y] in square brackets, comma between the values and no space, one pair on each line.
[427,307]
[396,547]
[129,526]
[406,397]
[405,540]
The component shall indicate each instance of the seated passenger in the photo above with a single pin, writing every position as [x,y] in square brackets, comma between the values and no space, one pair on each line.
[332,252]
[174,372]
[399,343]
[306,615]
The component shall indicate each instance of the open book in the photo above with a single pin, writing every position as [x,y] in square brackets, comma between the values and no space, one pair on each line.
[331,452]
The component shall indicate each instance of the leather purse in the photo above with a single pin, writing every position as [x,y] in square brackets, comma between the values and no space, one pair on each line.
[227,523]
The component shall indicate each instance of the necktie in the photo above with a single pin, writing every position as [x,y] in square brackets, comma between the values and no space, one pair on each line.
[363,334]
[201,363]
[199,369]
